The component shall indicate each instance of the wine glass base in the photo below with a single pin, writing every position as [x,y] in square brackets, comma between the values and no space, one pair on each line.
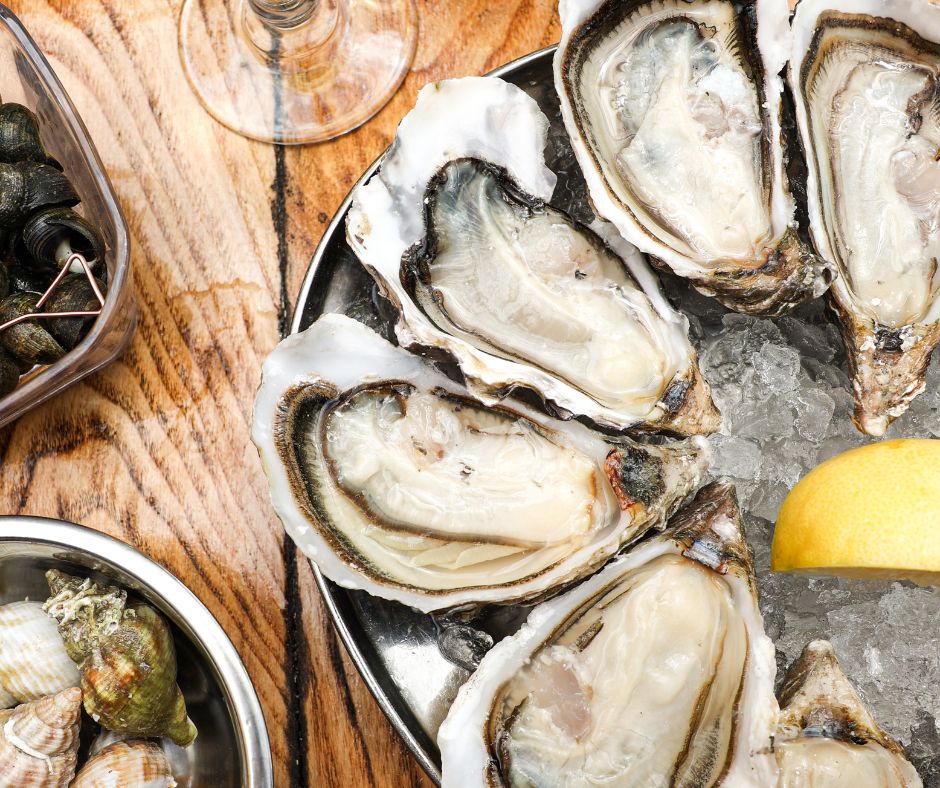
[307,84]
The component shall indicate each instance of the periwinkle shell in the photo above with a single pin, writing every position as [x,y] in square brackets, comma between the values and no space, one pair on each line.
[51,235]
[19,135]
[74,294]
[27,186]
[9,376]
[30,278]
[29,341]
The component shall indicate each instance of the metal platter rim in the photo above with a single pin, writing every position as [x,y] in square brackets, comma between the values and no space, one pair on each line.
[346,627]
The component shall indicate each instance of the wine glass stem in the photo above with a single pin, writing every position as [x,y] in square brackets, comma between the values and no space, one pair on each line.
[296,33]
[284,14]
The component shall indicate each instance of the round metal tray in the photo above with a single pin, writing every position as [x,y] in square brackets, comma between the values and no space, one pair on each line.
[394,647]
[399,651]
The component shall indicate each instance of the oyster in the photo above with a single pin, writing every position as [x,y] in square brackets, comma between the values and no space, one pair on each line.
[866,81]
[674,112]
[456,229]
[827,738]
[656,671]
[395,480]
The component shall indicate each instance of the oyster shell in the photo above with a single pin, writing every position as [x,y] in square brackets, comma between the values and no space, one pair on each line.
[456,229]
[674,112]
[866,81]
[395,480]
[826,737]
[33,660]
[656,671]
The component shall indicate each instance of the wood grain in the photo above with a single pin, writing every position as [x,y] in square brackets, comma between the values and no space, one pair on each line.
[155,449]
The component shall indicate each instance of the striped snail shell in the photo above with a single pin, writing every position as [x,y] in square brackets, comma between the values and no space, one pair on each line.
[39,741]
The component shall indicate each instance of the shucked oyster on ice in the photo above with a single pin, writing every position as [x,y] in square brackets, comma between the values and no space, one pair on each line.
[656,671]
[395,480]
[865,76]
[456,229]
[826,737]
[674,111]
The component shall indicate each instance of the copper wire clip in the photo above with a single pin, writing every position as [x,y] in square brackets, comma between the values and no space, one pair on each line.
[72,258]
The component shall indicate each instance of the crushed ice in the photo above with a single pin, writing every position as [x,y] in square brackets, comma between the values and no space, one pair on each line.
[786,400]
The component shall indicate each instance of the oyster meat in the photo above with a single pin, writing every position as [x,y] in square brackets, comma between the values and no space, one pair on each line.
[866,82]
[456,229]
[674,112]
[656,671]
[826,737]
[395,480]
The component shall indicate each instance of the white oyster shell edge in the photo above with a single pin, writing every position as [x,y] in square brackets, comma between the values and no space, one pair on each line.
[501,124]
[461,737]
[921,16]
[347,354]
[772,37]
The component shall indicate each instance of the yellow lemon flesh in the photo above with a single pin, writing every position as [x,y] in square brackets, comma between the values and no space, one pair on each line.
[871,512]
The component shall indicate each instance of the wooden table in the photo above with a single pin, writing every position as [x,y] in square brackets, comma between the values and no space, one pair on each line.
[155,448]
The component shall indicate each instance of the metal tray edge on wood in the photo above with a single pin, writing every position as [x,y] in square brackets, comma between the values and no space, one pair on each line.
[347,626]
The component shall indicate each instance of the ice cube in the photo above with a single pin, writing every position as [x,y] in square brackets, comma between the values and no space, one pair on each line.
[733,456]
[778,367]
[814,412]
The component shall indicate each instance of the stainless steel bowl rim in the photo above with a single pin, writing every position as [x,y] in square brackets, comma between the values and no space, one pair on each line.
[189,614]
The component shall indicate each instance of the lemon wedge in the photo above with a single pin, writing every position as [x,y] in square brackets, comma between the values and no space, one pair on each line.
[871,512]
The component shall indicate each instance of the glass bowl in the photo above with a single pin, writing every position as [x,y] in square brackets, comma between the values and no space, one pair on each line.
[27,78]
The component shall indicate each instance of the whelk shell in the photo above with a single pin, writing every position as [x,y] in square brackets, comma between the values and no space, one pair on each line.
[33,661]
[39,741]
[141,764]
[126,655]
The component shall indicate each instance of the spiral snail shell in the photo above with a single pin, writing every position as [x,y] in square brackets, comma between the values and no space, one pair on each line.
[39,741]
[126,657]
[33,660]
[141,764]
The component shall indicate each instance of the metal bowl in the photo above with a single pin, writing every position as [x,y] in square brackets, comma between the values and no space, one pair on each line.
[232,747]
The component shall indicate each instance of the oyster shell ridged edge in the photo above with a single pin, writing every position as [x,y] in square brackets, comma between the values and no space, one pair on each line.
[885,378]
[433,140]
[287,369]
[708,530]
[790,273]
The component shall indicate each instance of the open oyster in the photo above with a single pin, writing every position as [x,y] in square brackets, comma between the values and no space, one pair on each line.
[394,480]
[827,738]
[674,111]
[656,671]
[456,229]
[866,81]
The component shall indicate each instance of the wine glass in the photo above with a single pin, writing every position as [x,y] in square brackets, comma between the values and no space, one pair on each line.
[296,71]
